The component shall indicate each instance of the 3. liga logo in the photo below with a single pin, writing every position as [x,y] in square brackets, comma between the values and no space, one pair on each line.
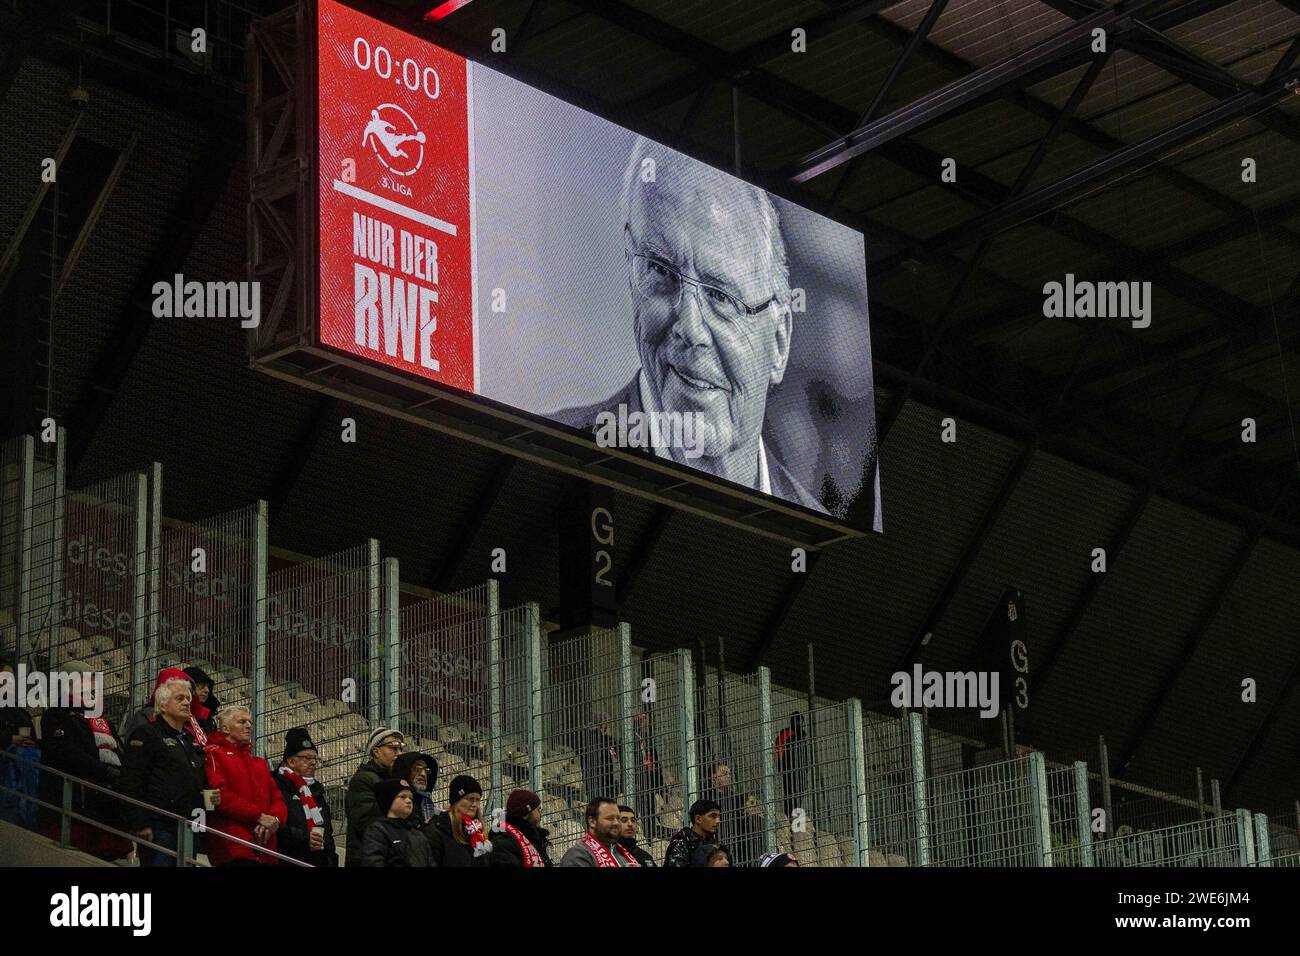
[389,131]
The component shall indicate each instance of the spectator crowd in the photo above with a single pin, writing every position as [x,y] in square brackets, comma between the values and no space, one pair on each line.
[185,755]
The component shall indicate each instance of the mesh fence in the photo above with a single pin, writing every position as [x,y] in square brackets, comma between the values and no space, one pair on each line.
[891,804]
[661,762]
[105,587]
[582,729]
[443,703]
[731,747]
[323,669]
[985,816]
[15,457]
[1217,841]
[1140,808]
[211,575]
[1069,813]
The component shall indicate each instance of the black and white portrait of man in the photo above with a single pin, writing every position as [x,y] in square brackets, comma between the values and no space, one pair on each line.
[711,317]
[659,304]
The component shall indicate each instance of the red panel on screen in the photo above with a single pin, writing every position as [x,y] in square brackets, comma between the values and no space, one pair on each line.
[396,278]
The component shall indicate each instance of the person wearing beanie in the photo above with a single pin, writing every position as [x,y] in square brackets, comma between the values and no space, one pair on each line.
[522,841]
[599,846]
[705,817]
[308,831]
[392,839]
[205,704]
[457,836]
[627,816]
[779,859]
[712,854]
[383,748]
[86,747]
[422,771]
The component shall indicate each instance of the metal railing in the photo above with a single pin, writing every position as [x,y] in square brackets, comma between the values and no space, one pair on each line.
[186,828]
[1226,840]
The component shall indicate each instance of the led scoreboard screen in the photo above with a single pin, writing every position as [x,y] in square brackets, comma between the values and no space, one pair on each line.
[481,235]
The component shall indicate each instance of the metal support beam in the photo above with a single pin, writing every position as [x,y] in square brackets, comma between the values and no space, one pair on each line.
[944,100]
[186,221]
[471,522]
[1116,546]
[1195,634]
[776,620]
[957,576]
[626,580]
[298,453]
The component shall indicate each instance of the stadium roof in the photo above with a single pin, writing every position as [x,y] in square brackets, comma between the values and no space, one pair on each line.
[1075,433]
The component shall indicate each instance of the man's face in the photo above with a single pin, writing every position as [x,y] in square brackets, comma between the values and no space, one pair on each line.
[607,827]
[239,727]
[178,706]
[387,752]
[629,825]
[304,764]
[709,228]
[709,822]
[420,774]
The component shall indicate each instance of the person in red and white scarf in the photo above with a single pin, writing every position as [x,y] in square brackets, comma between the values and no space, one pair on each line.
[87,746]
[458,837]
[308,832]
[599,846]
[521,839]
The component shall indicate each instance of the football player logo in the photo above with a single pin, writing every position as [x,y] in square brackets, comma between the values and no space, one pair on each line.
[390,134]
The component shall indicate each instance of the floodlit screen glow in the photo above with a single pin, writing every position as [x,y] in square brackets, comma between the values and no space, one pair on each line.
[480,234]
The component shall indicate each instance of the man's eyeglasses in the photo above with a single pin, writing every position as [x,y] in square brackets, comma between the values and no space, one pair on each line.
[660,280]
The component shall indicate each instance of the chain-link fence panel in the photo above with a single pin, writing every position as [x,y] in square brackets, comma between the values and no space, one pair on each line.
[1069,814]
[323,662]
[1217,841]
[582,729]
[988,816]
[732,744]
[891,790]
[663,763]
[213,573]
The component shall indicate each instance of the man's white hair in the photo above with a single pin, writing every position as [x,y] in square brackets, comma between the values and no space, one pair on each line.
[771,220]
[163,695]
[228,711]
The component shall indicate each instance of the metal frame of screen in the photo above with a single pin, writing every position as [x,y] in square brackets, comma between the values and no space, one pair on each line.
[283,236]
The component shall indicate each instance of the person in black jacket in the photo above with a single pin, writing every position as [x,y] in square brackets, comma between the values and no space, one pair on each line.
[628,840]
[422,771]
[392,840]
[17,729]
[458,837]
[84,746]
[163,767]
[308,832]
[205,704]
[522,841]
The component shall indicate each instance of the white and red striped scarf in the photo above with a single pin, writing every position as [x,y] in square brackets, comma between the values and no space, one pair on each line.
[602,854]
[104,740]
[530,854]
[309,808]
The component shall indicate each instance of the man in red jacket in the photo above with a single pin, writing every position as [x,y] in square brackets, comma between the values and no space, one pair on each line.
[251,806]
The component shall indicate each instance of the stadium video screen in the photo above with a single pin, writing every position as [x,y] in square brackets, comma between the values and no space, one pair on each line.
[482,235]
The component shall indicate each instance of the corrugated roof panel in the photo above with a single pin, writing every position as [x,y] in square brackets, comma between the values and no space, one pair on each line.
[1145,211]
[982,33]
[932,209]
[732,24]
[1236,267]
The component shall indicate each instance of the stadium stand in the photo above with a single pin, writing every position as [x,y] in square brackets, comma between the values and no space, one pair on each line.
[98,575]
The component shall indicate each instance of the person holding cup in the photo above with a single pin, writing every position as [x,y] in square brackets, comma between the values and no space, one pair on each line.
[250,805]
[308,832]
